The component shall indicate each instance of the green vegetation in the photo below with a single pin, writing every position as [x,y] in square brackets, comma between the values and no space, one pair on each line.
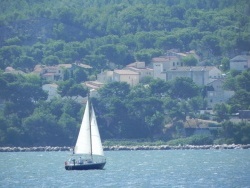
[100,33]
[97,32]
[26,119]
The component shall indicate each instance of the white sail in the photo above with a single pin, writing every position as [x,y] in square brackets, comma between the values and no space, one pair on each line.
[83,141]
[96,139]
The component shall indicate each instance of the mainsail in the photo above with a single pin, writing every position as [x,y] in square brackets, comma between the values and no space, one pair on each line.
[83,141]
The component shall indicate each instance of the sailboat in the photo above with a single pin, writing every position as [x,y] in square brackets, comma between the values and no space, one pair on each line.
[88,151]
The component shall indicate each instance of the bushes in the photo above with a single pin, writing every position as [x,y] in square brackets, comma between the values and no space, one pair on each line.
[192,140]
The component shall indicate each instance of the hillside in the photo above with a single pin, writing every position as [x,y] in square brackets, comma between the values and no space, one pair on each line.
[120,31]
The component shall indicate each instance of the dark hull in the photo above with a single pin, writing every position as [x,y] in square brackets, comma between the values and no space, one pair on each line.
[90,166]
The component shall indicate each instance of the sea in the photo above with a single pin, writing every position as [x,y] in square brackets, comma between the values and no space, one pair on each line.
[150,168]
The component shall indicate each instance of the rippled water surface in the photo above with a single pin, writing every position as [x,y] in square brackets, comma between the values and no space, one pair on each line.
[170,168]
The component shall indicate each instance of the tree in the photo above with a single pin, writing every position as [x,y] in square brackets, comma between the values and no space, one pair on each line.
[80,75]
[190,60]
[147,54]
[240,100]
[69,89]
[237,133]
[69,127]
[168,42]
[221,112]
[243,80]
[147,113]
[173,110]
[25,63]
[225,64]
[42,130]
[178,11]
[159,87]
[114,89]
[21,94]
[77,90]
[9,55]
[184,88]
[212,44]
[51,60]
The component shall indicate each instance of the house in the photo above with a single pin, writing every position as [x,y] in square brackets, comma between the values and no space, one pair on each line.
[140,68]
[199,126]
[13,71]
[93,84]
[199,74]
[180,55]
[39,70]
[240,63]
[216,94]
[244,114]
[128,76]
[93,87]
[53,73]
[164,63]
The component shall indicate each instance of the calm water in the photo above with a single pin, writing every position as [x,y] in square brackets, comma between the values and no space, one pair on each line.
[175,168]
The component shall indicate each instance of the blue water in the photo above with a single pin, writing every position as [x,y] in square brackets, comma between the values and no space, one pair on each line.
[170,168]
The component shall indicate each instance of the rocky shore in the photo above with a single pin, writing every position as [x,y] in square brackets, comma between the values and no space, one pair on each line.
[119,148]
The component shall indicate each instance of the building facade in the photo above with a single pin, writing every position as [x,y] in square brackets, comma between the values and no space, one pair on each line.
[140,68]
[128,76]
[240,63]
[163,64]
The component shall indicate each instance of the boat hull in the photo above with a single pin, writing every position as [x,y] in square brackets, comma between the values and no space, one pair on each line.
[91,166]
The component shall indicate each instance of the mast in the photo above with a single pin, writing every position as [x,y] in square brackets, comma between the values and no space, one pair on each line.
[90,114]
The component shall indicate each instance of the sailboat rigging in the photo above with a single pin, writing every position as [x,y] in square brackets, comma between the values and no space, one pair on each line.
[88,147]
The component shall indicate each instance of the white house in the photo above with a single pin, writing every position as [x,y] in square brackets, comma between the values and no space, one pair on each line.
[199,74]
[240,62]
[164,63]
[128,76]
[140,68]
[216,94]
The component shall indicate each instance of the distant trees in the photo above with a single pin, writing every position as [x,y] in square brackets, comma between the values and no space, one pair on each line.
[184,88]
[69,88]
[239,82]
[190,60]
[237,133]
[142,111]
[143,107]
[120,32]
[20,91]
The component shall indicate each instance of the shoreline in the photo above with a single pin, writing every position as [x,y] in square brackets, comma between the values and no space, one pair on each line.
[128,148]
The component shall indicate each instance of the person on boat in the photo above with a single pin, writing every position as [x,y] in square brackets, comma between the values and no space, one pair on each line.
[80,161]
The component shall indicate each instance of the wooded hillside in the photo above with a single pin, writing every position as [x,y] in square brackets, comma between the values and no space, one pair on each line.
[96,32]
